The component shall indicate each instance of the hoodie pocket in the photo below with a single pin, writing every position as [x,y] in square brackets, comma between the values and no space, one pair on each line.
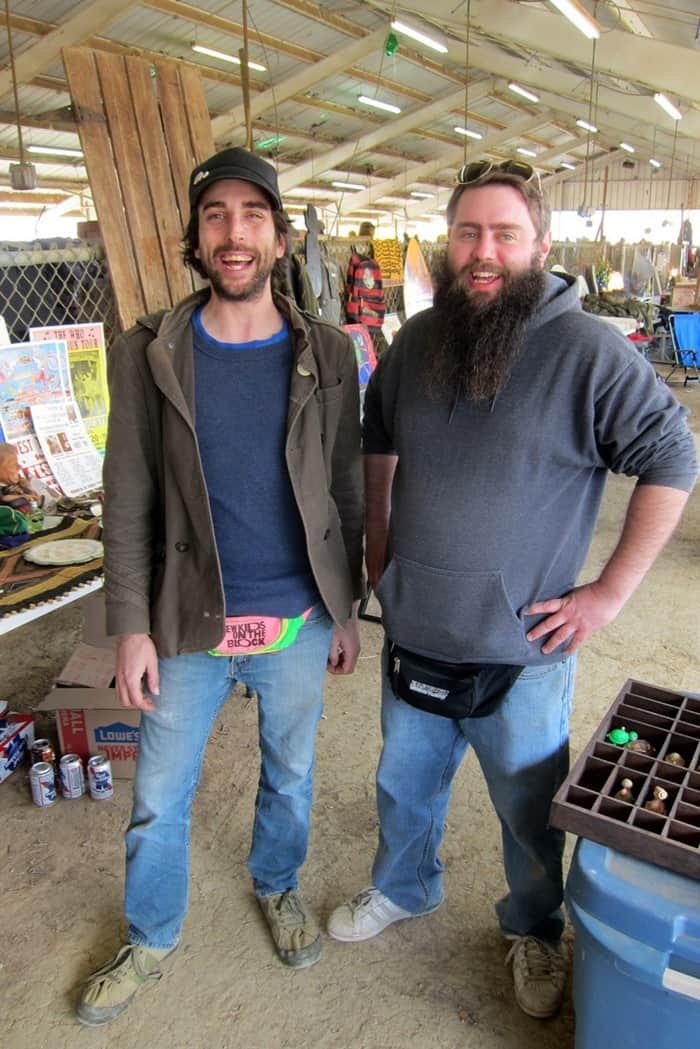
[456,616]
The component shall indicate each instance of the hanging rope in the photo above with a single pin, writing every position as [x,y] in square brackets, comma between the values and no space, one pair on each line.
[466,78]
[245,80]
[14,81]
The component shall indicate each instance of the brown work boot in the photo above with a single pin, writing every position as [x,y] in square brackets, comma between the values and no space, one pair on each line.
[296,935]
[109,991]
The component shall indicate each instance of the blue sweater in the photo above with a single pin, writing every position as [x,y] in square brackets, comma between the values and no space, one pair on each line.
[241,399]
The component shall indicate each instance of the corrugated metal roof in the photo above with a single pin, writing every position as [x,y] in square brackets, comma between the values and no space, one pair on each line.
[529,43]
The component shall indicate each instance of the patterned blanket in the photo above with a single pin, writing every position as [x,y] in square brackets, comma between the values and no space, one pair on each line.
[24,585]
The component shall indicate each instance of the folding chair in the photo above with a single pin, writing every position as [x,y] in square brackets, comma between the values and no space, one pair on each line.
[685,337]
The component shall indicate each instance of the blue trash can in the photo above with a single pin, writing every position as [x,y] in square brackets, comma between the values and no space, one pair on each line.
[637,952]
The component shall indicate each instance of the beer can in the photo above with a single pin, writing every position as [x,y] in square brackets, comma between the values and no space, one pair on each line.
[71,775]
[43,783]
[43,751]
[99,773]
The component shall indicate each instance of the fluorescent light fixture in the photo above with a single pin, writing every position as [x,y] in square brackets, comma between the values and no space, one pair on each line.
[586,126]
[526,152]
[418,34]
[268,143]
[466,131]
[578,16]
[346,185]
[226,58]
[565,164]
[378,104]
[55,151]
[627,148]
[654,163]
[524,92]
[420,195]
[666,104]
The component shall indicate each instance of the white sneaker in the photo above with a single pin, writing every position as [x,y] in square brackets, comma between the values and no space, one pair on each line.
[364,916]
[539,975]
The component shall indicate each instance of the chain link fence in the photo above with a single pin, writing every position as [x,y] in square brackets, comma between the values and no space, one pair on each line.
[55,283]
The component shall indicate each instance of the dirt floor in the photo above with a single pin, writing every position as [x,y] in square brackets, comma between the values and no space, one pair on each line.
[433,983]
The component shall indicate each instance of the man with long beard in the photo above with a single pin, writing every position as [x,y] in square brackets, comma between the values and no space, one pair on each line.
[233,553]
[489,428]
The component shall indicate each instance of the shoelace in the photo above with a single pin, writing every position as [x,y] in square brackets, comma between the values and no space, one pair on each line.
[290,912]
[539,961]
[363,899]
[115,970]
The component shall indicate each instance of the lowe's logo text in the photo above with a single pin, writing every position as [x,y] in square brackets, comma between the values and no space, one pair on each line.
[117,733]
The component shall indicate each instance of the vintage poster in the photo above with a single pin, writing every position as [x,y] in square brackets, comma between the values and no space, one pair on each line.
[16,424]
[75,462]
[88,373]
[32,374]
[417,284]
[392,323]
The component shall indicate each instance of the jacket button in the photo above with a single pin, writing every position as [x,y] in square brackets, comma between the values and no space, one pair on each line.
[182,547]
[303,371]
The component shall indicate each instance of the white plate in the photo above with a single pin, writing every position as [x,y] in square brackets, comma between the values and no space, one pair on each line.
[64,552]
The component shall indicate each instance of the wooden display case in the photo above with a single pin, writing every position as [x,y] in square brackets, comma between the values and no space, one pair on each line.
[586,803]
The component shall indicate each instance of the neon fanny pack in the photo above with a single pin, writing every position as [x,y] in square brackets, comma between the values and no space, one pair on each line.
[254,635]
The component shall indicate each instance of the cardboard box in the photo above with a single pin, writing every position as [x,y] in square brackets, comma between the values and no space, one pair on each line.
[91,721]
[16,738]
[89,667]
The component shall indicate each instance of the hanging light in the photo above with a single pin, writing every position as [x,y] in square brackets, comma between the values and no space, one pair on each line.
[668,106]
[347,185]
[468,132]
[423,36]
[518,90]
[526,152]
[565,164]
[377,103]
[627,148]
[587,126]
[578,16]
[201,50]
[55,151]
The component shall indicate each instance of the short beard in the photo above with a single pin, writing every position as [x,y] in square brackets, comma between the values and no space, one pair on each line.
[478,338]
[248,294]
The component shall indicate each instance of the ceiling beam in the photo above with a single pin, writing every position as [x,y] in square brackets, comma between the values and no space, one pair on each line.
[298,82]
[390,129]
[86,18]
[452,157]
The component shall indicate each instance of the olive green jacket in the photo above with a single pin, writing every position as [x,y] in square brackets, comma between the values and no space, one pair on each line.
[162,572]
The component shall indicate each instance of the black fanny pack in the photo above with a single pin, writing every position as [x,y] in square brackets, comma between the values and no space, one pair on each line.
[453,690]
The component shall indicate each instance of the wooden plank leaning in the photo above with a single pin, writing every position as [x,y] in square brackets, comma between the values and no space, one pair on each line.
[85,92]
[177,135]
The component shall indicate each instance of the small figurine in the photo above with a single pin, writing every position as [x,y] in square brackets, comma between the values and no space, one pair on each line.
[640,746]
[620,736]
[656,804]
[675,759]
[625,791]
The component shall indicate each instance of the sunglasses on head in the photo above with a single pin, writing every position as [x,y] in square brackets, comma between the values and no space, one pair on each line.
[480,169]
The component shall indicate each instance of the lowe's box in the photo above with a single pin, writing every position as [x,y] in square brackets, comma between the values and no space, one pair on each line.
[91,721]
[637,951]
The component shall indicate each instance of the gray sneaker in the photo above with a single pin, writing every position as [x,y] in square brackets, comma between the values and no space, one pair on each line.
[109,991]
[539,975]
[296,935]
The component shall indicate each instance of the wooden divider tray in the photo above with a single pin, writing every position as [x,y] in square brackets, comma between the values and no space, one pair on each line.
[586,803]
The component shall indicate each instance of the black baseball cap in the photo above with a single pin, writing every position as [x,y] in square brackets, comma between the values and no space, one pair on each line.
[235,163]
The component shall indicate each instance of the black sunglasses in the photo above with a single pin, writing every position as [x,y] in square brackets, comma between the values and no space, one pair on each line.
[480,169]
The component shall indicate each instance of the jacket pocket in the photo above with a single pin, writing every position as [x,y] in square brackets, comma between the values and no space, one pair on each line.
[456,616]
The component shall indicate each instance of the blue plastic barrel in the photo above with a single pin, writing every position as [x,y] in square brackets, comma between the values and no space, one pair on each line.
[637,952]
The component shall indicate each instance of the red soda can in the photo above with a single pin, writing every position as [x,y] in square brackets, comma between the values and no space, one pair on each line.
[43,751]
[43,784]
[71,775]
[100,782]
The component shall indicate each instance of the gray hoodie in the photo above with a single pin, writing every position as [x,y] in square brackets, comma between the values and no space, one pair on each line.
[494,506]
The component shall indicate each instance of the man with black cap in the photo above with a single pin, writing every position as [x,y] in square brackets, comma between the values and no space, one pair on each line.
[233,547]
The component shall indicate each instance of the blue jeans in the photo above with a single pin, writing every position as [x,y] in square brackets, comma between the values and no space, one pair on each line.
[193,688]
[523,751]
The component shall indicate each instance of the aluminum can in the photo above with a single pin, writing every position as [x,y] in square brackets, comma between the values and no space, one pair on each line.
[99,772]
[43,751]
[71,774]
[43,783]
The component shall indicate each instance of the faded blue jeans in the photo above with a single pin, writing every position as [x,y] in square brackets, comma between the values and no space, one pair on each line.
[193,688]
[523,751]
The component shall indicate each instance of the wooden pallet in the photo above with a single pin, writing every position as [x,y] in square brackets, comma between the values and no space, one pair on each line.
[143,127]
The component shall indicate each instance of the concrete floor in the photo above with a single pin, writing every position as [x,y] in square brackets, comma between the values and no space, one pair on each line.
[424,984]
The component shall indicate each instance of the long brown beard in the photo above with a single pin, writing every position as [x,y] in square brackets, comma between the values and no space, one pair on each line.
[478,339]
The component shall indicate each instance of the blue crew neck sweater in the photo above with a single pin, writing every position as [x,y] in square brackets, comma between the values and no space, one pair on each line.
[241,401]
